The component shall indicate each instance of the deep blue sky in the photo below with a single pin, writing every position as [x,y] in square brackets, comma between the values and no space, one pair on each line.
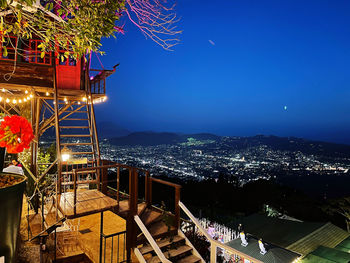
[267,55]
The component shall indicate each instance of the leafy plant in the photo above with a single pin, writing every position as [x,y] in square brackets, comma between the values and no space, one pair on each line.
[76,26]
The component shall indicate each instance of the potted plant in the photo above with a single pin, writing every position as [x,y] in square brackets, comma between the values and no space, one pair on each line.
[16,134]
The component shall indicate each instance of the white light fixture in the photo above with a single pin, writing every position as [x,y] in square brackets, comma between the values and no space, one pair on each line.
[262,247]
[65,154]
[243,239]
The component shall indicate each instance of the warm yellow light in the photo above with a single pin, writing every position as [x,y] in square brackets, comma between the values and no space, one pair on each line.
[20,101]
[0,98]
[26,92]
[24,99]
[78,102]
[47,94]
[66,102]
[14,101]
[7,100]
[31,95]
[84,99]
[89,97]
[65,154]
[3,90]
[65,99]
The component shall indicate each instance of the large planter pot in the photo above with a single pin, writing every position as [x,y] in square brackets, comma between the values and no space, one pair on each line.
[11,198]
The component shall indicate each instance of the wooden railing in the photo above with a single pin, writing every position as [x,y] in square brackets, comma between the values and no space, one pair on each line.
[214,244]
[133,195]
[148,193]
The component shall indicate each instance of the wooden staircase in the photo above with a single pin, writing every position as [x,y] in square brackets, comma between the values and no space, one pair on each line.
[171,241]
[77,132]
[41,227]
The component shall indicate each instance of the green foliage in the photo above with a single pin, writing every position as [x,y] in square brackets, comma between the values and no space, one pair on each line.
[78,25]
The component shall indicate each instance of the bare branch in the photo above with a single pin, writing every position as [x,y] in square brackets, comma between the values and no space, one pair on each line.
[155,20]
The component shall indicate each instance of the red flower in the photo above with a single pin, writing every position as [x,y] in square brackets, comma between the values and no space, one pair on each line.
[16,134]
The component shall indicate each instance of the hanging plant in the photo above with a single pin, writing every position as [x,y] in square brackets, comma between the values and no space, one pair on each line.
[16,134]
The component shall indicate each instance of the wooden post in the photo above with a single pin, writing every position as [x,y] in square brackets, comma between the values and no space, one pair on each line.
[101,237]
[131,233]
[104,178]
[118,184]
[147,192]
[57,127]
[177,207]
[213,253]
[75,191]
[150,193]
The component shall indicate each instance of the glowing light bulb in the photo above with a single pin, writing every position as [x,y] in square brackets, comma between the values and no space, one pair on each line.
[84,99]
[20,101]
[26,92]
[14,101]
[25,99]
[0,98]
[31,95]
[78,102]
[7,100]
[65,99]
[47,94]
[89,97]
[66,102]
[3,90]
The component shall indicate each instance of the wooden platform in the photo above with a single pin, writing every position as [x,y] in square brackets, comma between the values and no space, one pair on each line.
[88,202]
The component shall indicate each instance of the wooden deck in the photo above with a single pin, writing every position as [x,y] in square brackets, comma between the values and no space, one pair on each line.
[87,202]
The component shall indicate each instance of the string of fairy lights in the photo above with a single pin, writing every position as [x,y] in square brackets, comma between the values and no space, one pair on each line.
[8,97]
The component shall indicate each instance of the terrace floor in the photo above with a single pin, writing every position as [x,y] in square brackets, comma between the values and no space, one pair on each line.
[80,236]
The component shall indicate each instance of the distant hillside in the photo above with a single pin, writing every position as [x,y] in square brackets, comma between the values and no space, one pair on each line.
[291,144]
[158,138]
[147,139]
[108,130]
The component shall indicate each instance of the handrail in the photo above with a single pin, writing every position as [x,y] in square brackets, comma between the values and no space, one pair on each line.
[148,193]
[139,255]
[114,165]
[165,182]
[214,243]
[30,173]
[151,240]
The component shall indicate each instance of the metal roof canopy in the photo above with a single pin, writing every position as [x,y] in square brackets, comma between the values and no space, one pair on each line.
[274,254]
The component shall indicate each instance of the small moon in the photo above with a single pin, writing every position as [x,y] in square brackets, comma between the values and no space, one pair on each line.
[285,107]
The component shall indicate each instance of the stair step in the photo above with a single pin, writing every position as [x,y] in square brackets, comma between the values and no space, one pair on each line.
[141,208]
[171,253]
[74,127]
[74,119]
[189,259]
[76,143]
[150,216]
[75,135]
[157,230]
[81,153]
[79,111]
[50,219]
[161,244]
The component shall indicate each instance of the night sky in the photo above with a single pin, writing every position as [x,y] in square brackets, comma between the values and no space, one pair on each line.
[242,68]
